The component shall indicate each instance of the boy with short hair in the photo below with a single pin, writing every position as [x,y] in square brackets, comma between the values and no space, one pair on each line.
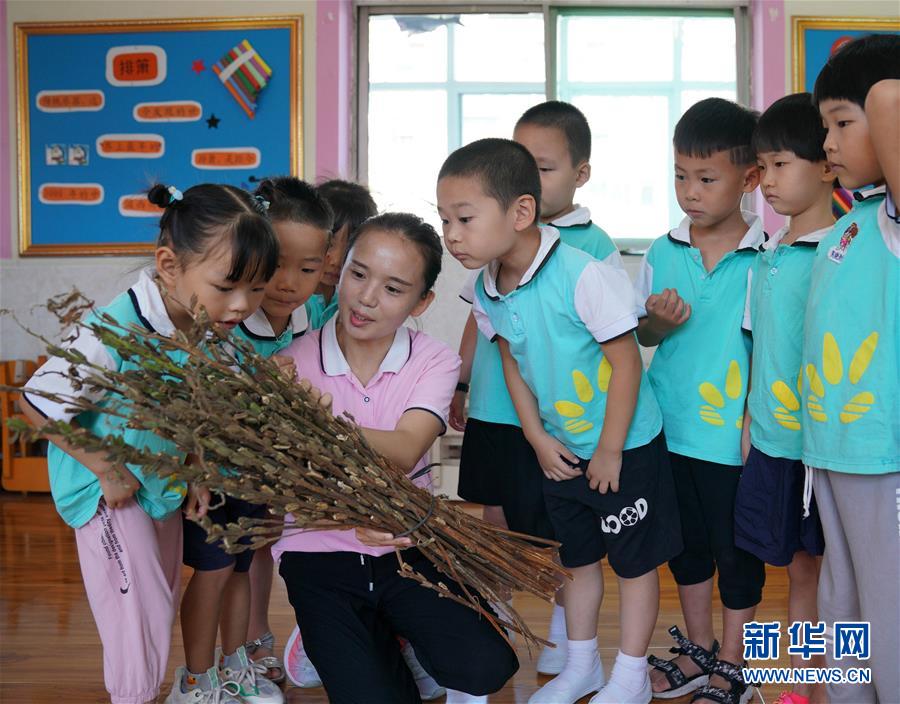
[774,518]
[851,363]
[498,467]
[589,413]
[693,285]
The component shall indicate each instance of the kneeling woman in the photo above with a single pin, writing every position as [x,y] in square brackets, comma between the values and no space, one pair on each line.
[397,383]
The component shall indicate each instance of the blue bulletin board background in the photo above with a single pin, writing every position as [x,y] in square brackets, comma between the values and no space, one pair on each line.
[74,57]
[815,39]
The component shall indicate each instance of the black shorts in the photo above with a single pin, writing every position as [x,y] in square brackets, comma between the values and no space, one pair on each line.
[498,467]
[206,557]
[706,492]
[768,511]
[637,527]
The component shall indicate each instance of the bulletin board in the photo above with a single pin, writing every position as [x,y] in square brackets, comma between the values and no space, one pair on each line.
[105,110]
[815,39]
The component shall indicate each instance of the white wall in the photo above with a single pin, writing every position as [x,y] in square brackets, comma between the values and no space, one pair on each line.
[30,281]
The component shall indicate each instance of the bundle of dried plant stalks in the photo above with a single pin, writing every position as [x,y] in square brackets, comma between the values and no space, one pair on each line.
[228,408]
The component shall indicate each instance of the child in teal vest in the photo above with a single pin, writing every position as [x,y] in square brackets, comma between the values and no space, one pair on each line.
[771,520]
[303,222]
[352,204]
[851,368]
[692,285]
[215,247]
[497,466]
[565,325]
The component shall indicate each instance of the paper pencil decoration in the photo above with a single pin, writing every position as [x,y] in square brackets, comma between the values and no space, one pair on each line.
[244,73]
[841,203]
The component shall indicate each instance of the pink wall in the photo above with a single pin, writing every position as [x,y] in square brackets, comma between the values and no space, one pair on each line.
[334,74]
[767,62]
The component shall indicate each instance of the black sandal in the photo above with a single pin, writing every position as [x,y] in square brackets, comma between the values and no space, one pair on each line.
[679,683]
[738,692]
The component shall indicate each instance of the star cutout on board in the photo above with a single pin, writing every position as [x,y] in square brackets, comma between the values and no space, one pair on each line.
[213,122]
[198,66]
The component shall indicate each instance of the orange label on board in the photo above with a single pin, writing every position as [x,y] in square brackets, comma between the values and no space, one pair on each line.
[168,111]
[138,206]
[70,193]
[70,100]
[226,158]
[131,146]
[136,65]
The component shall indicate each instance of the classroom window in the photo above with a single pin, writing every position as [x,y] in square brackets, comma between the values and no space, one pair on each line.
[433,82]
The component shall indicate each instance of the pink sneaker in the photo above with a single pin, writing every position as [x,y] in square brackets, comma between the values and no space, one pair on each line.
[300,671]
[791,698]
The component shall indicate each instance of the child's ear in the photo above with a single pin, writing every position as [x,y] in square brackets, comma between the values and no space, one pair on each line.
[167,266]
[524,209]
[827,173]
[423,304]
[751,178]
[583,171]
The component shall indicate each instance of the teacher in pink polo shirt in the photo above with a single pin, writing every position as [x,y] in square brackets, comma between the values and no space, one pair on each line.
[350,602]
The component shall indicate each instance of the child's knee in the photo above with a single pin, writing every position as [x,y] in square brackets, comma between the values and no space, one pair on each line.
[741,578]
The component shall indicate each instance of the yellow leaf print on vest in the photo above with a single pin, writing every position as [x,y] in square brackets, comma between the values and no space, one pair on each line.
[585,393]
[833,373]
[710,412]
[790,403]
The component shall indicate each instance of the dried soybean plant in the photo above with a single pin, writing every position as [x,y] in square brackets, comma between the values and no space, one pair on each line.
[228,408]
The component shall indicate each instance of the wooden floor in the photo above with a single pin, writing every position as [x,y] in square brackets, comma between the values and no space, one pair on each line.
[50,651]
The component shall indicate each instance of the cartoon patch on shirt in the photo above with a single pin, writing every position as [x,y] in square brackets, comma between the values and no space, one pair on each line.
[837,253]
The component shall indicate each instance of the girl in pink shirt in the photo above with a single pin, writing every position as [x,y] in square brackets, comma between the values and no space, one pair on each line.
[397,383]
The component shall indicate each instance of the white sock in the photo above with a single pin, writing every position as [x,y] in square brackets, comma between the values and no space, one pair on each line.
[629,673]
[582,675]
[557,632]
[456,697]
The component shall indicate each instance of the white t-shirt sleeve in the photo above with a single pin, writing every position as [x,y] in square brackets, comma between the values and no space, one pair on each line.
[467,293]
[604,300]
[643,286]
[49,378]
[483,322]
[747,324]
[614,259]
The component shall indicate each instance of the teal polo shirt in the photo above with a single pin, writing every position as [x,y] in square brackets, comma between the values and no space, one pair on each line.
[75,489]
[851,346]
[566,303]
[700,370]
[318,312]
[257,330]
[489,399]
[776,301]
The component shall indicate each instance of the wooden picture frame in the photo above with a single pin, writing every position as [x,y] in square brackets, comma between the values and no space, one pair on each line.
[105,109]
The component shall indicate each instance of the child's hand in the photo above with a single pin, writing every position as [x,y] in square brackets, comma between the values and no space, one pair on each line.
[457,412]
[285,365]
[379,539]
[745,438]
[197,503]
[323,399]
[604,469]
[667,310]
[118,486]
[552,456]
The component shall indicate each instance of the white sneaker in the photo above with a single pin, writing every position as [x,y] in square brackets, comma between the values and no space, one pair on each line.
[219,692]
[428,687]
[298,668]
[612,694]
[253,686]
[551,661]
[563,690]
